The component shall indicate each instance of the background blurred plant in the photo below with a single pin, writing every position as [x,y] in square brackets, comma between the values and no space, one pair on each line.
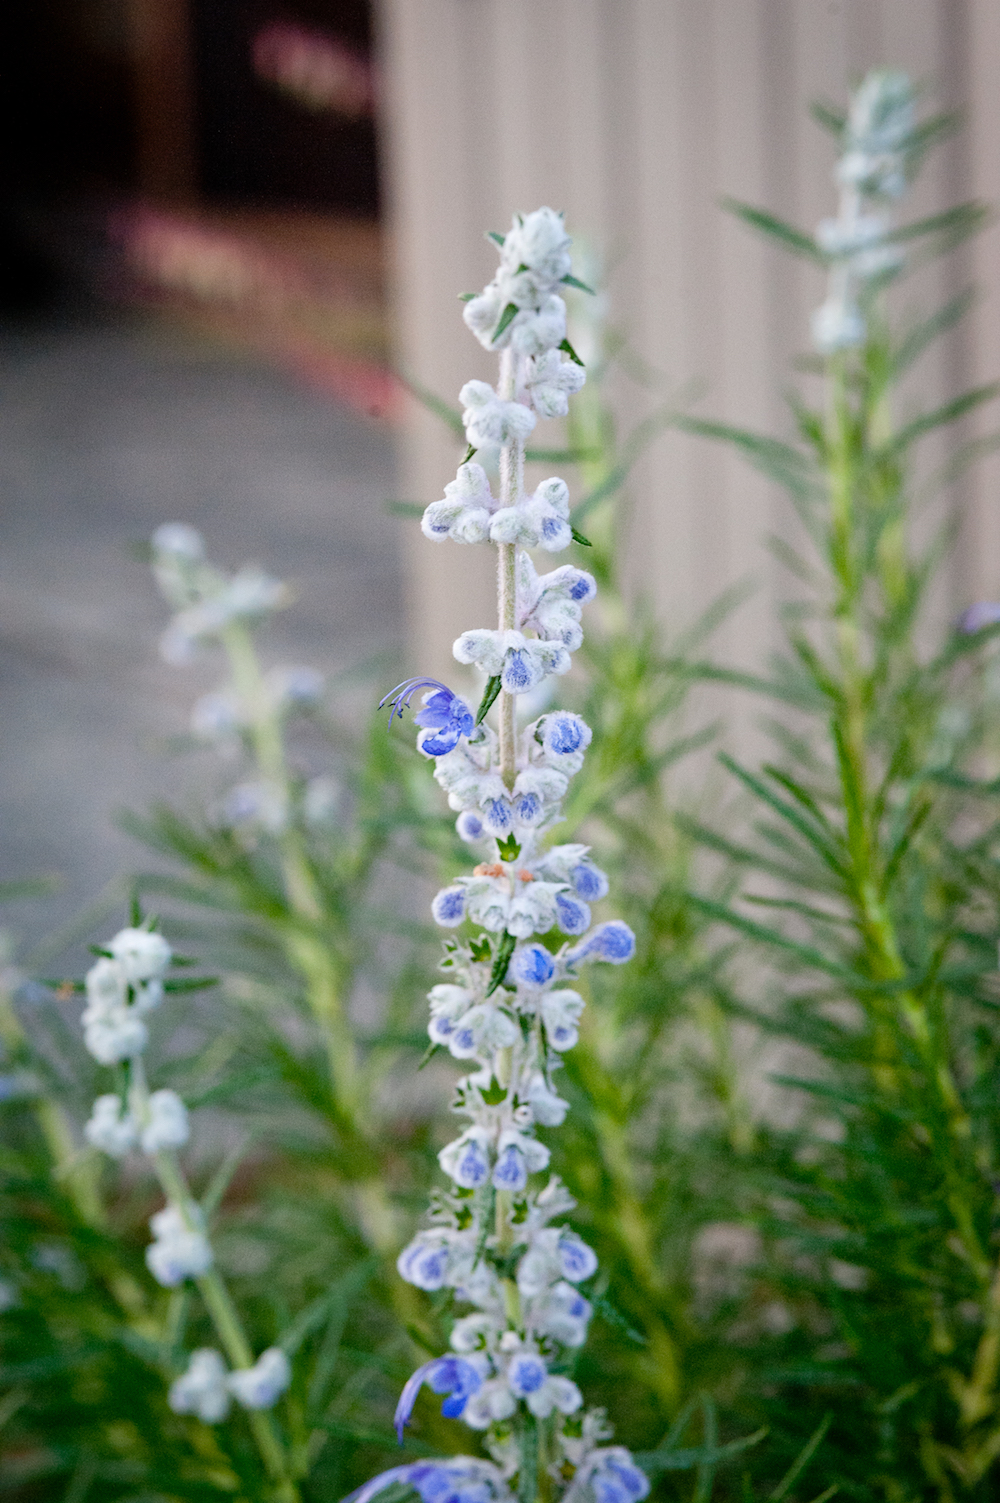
[868,891]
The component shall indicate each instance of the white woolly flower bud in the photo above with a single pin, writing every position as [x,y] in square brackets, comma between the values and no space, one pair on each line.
[177,551]
[533,909]
[881,116]
[837,325]
[202,1389]
[261,1386]
[482,313]
[551,381]
[448,1004]
[424,1261]
[547,1109]
[181,1249]
[467,1159]
[562,1314]
[115,1036]
[473,1333]
[539,242]
[471,1277]
[555,1253]
[518,1156]
[847,236]
[561,1015]
[251,595]
[167,1126]
[535,331]
[111,1128]
[112,1031]
[520,663]
[487,901]
[178,540]
[464,514]
[558,740]
[482,1030]
[491,1402]
[859,242]
[142,954]
[490,420]
[546,784]
[105,985]
[536,521]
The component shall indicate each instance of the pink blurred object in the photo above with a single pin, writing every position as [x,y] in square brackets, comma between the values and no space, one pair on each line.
[185,257]
[319,71]
[291,310]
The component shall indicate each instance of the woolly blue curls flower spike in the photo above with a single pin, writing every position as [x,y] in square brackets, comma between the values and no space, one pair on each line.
[497,1241]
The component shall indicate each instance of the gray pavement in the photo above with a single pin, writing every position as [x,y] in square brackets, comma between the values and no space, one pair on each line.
[108,428]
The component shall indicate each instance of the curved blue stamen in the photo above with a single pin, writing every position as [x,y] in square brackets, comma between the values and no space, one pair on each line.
[399,698]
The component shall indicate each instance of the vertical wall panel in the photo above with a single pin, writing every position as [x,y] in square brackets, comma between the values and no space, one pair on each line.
[636,117]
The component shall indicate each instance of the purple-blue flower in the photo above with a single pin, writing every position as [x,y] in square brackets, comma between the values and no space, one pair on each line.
[589,882]
[448,907]
[526,1374]
[444,712]
[511,1172]
[453,1479]
[617,1479]
[532,965]
[573,916]
[449,1375]
[613,942]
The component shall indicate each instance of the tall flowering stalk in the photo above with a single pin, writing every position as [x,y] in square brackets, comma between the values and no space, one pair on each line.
[123,987]
[880,910]
[497,1237]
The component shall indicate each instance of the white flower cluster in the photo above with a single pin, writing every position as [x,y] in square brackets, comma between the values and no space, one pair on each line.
[551,751]
[508,1005]
[470,513]
[113,1127]
[180,1248]
[123,986]
[521,307]
[207,1387]
[510,1364]
[232,717]
[878,140]
[206,602]
[522,312]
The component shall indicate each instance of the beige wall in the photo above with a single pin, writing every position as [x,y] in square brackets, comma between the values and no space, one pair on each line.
[636,117]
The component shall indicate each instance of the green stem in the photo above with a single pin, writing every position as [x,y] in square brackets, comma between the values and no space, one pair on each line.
[307,952]
[217,1299]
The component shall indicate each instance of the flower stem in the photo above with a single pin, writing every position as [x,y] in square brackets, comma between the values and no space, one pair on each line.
[217,1299]
[308,954]
[511,487]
